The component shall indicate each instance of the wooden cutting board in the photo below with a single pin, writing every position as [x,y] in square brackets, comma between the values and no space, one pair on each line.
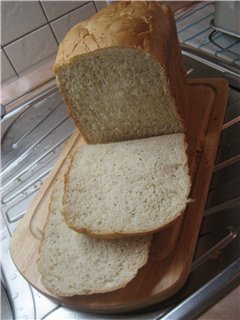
[173,248]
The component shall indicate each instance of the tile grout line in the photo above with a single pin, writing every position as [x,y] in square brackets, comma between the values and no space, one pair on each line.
[24,35]
[49,24]
[95,6]
[9,60]
[64,14]
[44,24]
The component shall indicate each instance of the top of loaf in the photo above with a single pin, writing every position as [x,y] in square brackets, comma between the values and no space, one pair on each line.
[133,24]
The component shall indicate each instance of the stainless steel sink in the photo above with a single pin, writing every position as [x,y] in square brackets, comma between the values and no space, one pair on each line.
[33,133]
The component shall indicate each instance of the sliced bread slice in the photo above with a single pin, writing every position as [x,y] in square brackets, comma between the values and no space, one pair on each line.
[127,188]
[121,73]
[73,264]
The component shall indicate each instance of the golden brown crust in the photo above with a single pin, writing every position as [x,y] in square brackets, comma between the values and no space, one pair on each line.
[118,235]
[139,24]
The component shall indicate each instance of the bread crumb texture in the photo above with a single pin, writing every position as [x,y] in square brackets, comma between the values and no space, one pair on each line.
[129,187]
[118,94]
[71,263]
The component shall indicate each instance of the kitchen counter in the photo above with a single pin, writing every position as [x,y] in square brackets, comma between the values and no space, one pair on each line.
[227,308]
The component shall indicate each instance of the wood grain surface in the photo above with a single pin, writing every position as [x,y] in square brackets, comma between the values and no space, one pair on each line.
[173,248]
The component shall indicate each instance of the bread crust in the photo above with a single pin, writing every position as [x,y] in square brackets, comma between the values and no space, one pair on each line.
[140,24]
[121,235]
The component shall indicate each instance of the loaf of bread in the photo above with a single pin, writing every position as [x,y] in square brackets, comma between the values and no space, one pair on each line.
[73,264]
[127,188]
[123,81]
[121,73]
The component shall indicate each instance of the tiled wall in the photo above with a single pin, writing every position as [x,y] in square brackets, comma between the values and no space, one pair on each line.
[32,30]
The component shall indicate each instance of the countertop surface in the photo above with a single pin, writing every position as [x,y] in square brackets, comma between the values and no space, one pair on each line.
[226,308]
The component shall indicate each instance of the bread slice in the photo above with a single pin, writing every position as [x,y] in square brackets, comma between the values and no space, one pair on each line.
[121,73]
[127,188]
[73,264]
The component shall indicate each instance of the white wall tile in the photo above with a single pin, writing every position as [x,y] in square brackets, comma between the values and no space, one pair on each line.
[55,9]
[19,18]
[100,4]
[32,49]
[62,25]
[7,71]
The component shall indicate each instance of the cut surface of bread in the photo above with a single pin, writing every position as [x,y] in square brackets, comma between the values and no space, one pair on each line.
[73,264]
[121,73]
[127,188]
